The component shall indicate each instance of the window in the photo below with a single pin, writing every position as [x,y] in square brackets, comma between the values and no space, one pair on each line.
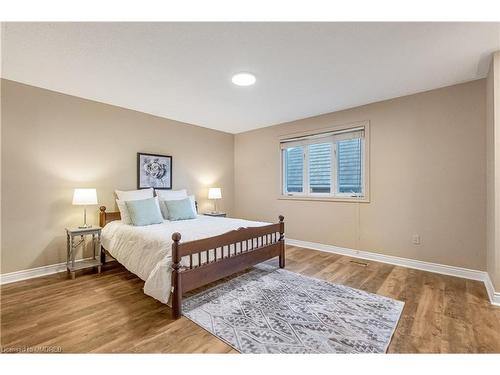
[349,166]
[294,167]
[320,168]
[329,164]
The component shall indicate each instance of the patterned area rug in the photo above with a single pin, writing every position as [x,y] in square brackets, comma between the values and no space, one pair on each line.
[271,310]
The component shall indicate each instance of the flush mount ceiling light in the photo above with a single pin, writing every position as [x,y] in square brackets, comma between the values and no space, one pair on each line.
[243,79]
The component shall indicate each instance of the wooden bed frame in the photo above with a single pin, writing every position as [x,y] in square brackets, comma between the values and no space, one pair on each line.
[256,244]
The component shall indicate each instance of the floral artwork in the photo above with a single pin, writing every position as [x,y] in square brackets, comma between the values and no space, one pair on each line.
[154,171]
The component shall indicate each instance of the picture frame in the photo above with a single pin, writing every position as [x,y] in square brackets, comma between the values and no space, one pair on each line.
[154,171]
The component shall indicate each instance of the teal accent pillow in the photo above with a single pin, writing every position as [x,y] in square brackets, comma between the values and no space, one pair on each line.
[181,209]
[144,212]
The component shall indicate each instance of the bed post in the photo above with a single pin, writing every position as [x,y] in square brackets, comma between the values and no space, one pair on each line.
[176,280]
[102,216]
[282,241]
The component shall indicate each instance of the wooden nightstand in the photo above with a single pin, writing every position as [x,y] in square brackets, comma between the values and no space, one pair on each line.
[72,246]
[215,214]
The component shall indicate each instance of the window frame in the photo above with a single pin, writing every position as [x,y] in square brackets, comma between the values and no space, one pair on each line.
[333,195]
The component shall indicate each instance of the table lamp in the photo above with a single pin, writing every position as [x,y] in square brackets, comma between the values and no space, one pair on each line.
[84,197]
[214,193]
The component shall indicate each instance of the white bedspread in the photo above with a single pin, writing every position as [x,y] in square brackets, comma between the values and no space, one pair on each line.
[147,251]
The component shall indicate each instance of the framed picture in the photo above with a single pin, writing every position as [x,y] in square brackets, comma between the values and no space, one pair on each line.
[154,171]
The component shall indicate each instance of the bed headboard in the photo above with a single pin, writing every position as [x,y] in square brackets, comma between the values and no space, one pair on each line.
[106,217]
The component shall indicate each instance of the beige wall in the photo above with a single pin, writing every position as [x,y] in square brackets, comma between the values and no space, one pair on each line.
[428,169]
[493,170]
[2,25]
[52,143]
[427,177]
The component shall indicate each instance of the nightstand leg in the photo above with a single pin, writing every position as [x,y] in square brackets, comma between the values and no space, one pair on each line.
[72,252]
[98,269]
[67,250]
[72,275]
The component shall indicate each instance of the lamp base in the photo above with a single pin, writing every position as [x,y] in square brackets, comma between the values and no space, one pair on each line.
[85,225]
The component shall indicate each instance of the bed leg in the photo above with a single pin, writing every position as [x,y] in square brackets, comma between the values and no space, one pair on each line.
[282,242]
[176,279]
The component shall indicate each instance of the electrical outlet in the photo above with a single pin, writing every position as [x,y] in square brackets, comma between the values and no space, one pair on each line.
[416,239]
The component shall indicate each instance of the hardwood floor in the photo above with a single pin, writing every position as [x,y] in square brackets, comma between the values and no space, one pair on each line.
[110,312]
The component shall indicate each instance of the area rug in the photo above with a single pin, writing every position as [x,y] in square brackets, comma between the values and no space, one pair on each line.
[272,310]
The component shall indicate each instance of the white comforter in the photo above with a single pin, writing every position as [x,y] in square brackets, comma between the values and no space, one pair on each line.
[147,251]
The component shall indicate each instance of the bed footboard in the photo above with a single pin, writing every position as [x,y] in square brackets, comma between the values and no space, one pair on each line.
[200,262]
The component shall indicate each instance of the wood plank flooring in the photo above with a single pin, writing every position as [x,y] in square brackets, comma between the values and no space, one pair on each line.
[110,313]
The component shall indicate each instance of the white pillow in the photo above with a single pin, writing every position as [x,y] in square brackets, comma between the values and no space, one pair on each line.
[134,195]
[193,204]
[122,207]
[171,195]
[164,209]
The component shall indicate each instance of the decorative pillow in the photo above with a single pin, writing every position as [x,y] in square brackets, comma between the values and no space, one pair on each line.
[170,195]
[133,195]
[180,209]
[144,212]
[164,208]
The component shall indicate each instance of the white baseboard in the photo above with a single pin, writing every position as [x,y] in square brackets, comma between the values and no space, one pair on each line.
[464,273]
[494,296]
[31,273]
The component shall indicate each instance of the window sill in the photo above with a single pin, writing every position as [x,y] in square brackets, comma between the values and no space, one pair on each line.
[324,199]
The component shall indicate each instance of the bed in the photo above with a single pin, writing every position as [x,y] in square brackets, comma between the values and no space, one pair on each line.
[176,257]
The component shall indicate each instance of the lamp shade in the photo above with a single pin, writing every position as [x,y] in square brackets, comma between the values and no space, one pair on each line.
[214,193]
[84,197]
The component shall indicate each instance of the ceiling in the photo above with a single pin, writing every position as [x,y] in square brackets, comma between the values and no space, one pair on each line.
[182,71]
